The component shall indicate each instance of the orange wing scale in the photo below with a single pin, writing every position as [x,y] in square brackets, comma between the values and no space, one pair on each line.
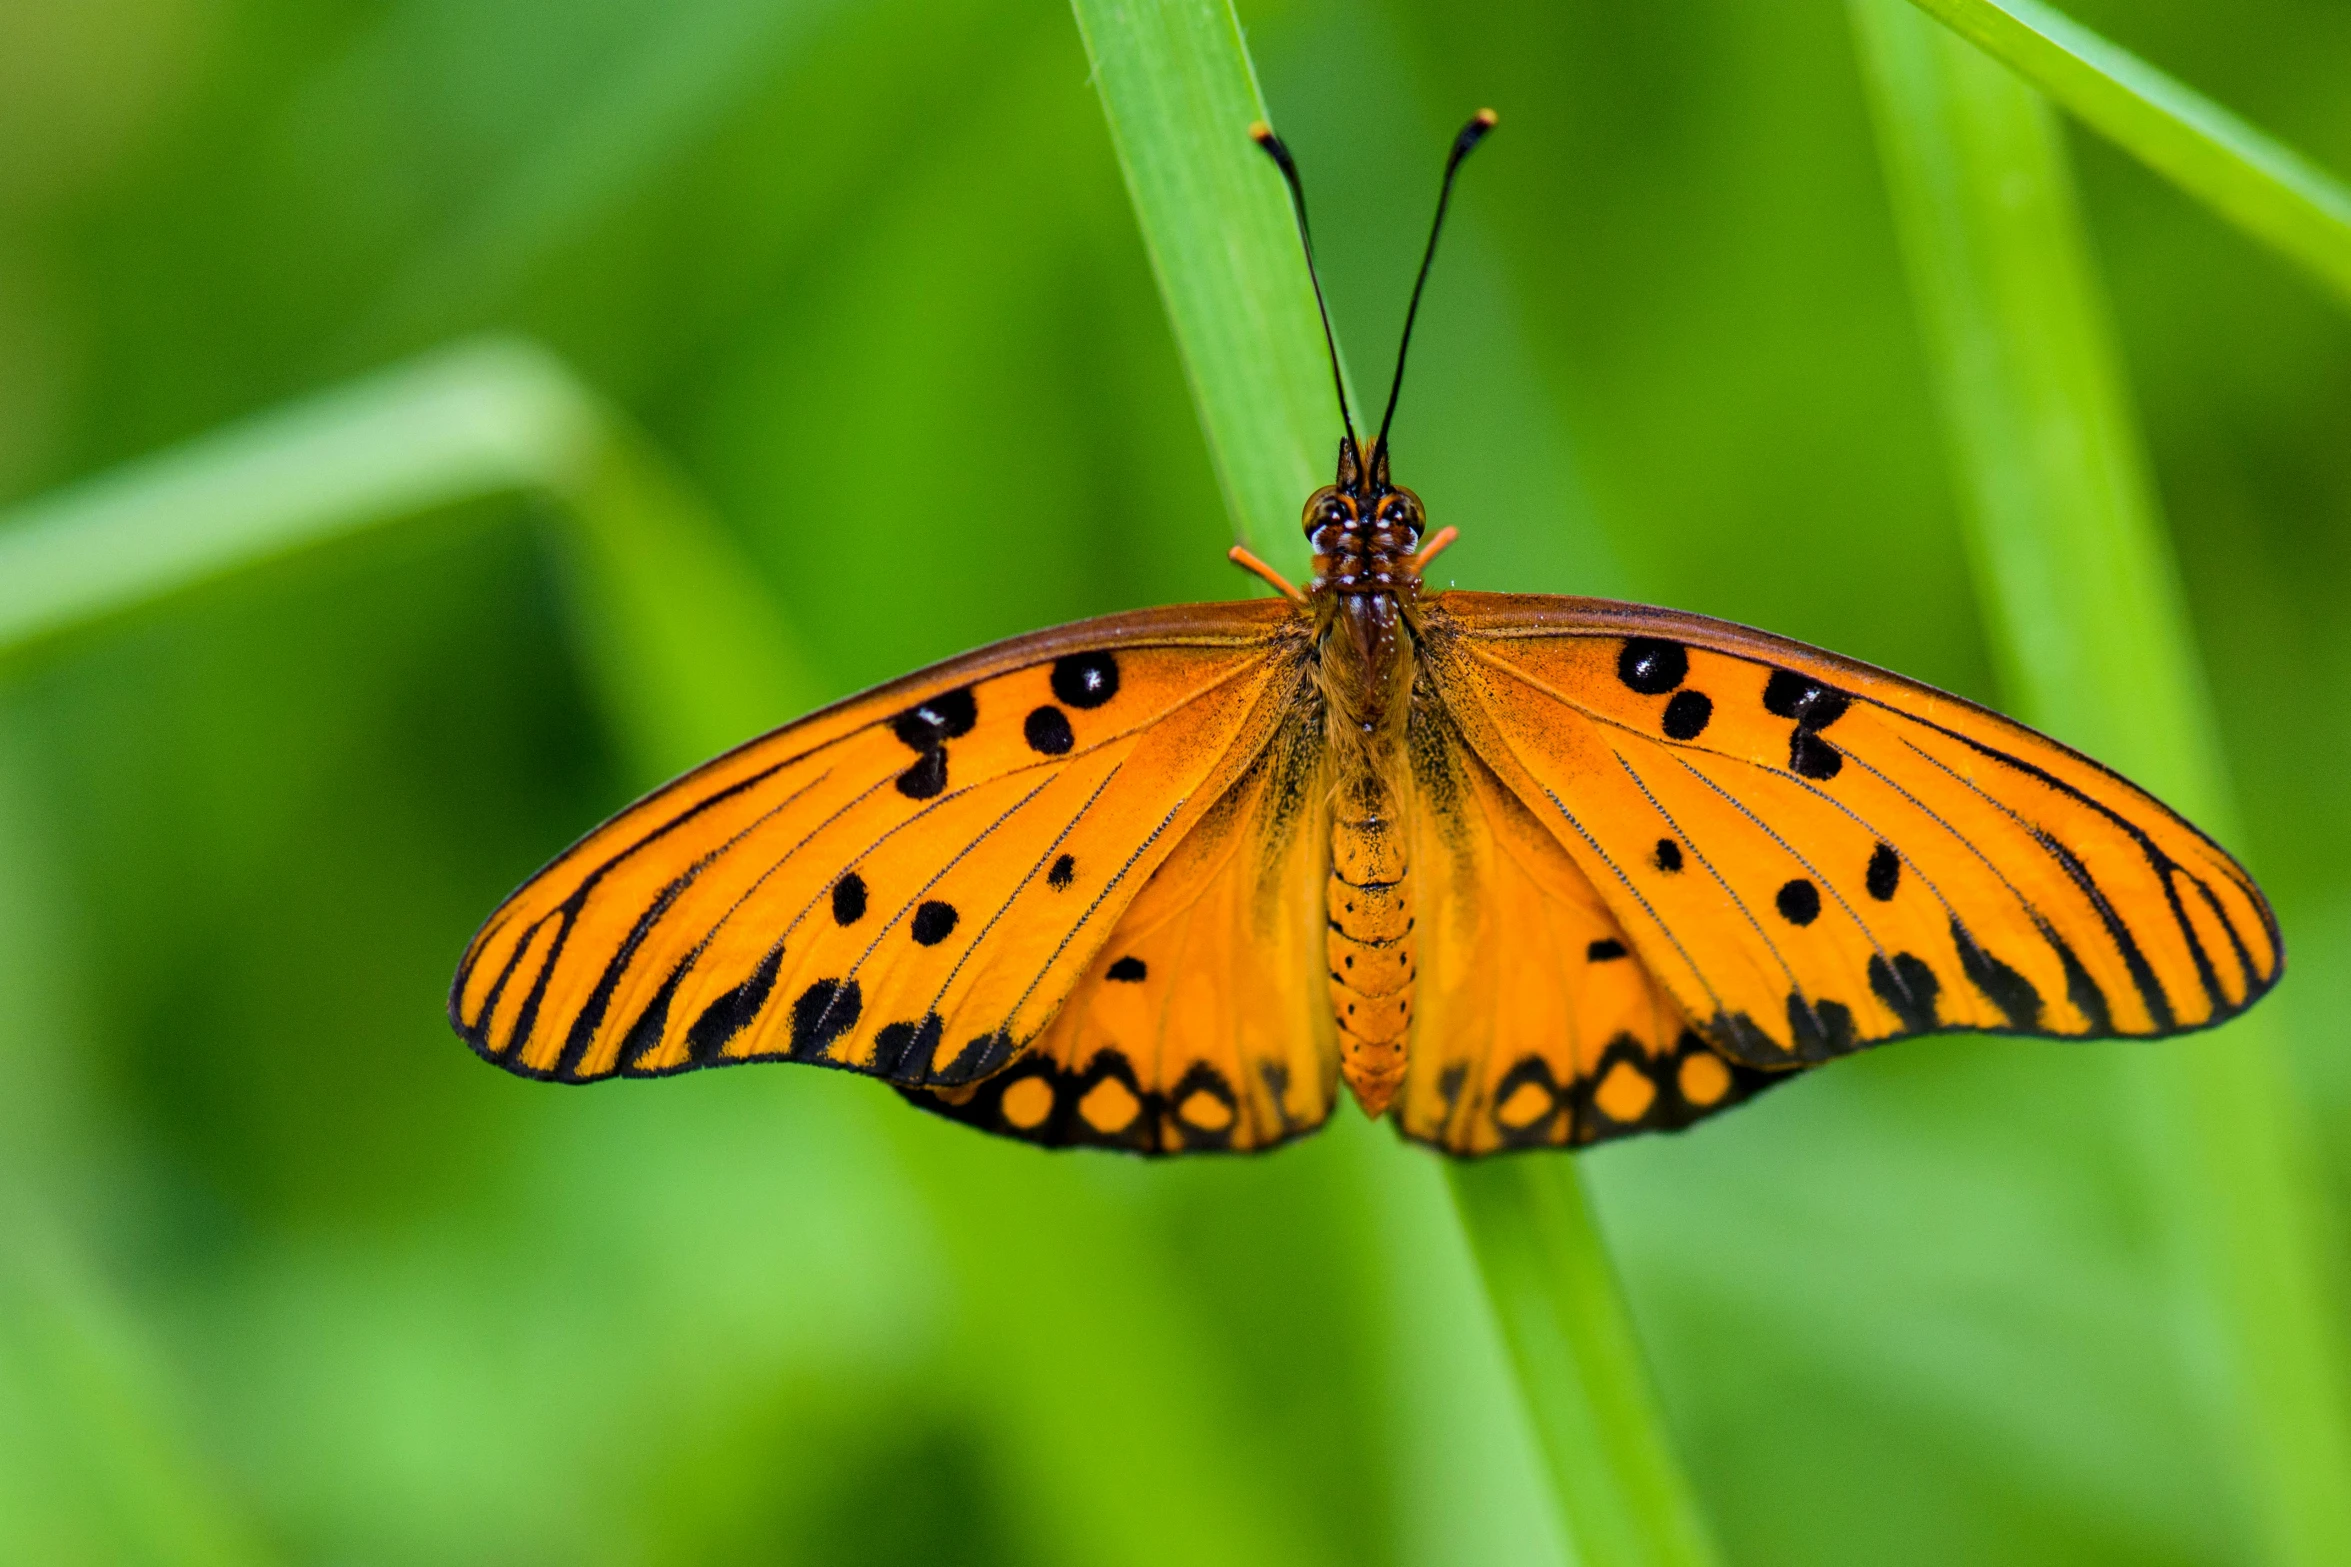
[907,884]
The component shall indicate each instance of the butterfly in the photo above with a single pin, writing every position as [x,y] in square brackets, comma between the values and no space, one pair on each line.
[1516,870]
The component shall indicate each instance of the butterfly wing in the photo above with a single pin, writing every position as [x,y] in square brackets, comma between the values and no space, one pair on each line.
[907,884]
[1810,855]
[1201,1022]
[1536,1023]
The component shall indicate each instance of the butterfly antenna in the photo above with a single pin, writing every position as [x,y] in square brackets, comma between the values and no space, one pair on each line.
[1262,134]
[1471,134]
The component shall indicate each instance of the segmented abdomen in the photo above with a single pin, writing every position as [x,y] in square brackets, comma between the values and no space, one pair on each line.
[1369,943]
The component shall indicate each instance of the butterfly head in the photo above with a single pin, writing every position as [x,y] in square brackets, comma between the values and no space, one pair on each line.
[1365,530]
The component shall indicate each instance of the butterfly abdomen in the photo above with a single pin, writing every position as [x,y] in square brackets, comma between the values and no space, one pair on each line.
[1369,942]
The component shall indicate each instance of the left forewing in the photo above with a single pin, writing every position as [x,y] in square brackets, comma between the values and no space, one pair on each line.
[906,884]
[1814,855]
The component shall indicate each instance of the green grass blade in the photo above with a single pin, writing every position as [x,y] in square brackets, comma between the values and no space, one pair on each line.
[1177,86]
[675,630]
[2090,632]
[1579,1362]
[2263,186]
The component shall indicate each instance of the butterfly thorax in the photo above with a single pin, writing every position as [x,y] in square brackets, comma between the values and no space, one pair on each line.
[1365,532]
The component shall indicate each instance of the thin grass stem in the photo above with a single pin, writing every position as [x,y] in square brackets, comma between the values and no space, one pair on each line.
[676,632]
[1177,86]
[2090,635]
[2255,181]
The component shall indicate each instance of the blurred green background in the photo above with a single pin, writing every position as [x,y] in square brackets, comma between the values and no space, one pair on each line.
[289,1276]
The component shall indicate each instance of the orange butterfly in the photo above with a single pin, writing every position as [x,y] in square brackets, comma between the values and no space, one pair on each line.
[1519,870]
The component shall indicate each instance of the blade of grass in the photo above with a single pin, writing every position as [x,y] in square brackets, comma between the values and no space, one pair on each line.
[2090,634]
[1180,95]
[1579,1362]
[674,627]
[1178,88]
[2256,182]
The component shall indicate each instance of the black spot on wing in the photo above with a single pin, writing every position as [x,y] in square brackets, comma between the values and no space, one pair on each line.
[1668,855]
[849,899]
[1064,871]
[1128,971]
[2001,985]
[1740,1038]
[1821,1029]
[1604,951]
[1798,901]
[942,718]
[1686,716]
[1047,731]
[825,1011]
[1651,665]
[1907,986]
[1806,700]
[1085,680]
[933,922]
[650,1023]
[976,1059]
[902,1052]
[1884,873]
[927,777]
[1809,756]
[2081,989]
[731,1013]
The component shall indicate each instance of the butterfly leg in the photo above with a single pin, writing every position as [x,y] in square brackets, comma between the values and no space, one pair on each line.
[1250,563]
[1438,543]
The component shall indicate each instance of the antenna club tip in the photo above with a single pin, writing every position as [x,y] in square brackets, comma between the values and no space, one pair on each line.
[1487,118]
[1260,132]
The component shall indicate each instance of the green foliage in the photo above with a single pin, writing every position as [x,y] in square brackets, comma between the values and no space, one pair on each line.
[2266,188]
[289,1275]
[2085,604]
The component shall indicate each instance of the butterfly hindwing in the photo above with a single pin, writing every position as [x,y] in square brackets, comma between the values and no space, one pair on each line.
[1201,1023]
[906,884]
[1813,855]
[1536,1023]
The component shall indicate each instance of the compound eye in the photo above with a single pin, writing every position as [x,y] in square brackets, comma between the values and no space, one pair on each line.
[1400,511]
[1329,512]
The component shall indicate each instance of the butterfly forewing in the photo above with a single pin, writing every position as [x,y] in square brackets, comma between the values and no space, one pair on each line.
[1812,855]
[906,884]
